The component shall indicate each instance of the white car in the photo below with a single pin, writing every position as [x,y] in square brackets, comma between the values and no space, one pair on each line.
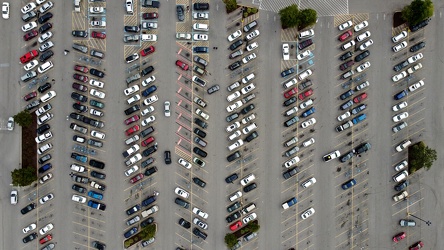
[235,135]
[148,81]
[38,2]
[133,99]
[403,145]
[344,116]
[362,86]
[199,15]
[399,37]
[184,163]
[99,23]
[29,228]
[148,120]
[308,182]
[235,145]
[131,170]
[306,34]
[77,168]
[46,229]
[249,128]
[305,74]
[400,166]
[44,148]
[44,118]
[150,25]
[399,106]
[32,64]
[202,114]
[200,37]
[48,96]
[96,112]
[400,46]
[27,8]
[151,100]
[5,10]
[416,86]
[247,179]
[45,36]
[248,78]
[363,36]
[248,58]
[78,198]
[47,45]
[166,109]
[235,196]
[363,66]
[29,26]
[148,110]
[303,55]
[235,35]
[248,119]
[416,67]
[290,83]
[399,76]
[96,93]
[415,58]
[45,178]
[183,36]
[365,45]
[148,37]
[348,45]
[234,106]
[249,218]
[96,10]
[96,83]
[286,51]
[307,213]
[233,126]
[345,25]
[291,111]
[361,26]
[252,46]
[252,35]
[308,123]
[10,124]
[181,192]
[97,134]
[245,90]
[308,142]
[233,96]
[291,162]
[46,198]
[400,116]
[200,213]
[46,7]
[330,156]
[14,197]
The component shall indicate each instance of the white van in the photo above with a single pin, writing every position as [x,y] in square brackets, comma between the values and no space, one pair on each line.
[201,27]
[400,176]
[129,6]
[250,207]
[45,67]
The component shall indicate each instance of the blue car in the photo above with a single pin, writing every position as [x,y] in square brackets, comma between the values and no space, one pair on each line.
[349,184]
[148,200]
[359,118]
[401,95]
[96,205]
[149,91]
[287,72]
[289,203]
[308,112]
[95,195]
[131,232]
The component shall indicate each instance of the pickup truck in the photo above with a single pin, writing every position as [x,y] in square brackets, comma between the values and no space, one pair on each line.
[96,205]
[344,126]
[151,3]
[359,118]
[133,160]
[78,128]
[289,203]
[150,211]
[79,157]
[133,149]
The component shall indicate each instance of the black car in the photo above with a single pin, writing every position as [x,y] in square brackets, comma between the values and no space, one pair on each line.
[235,65]
[232,117]
[98,175]
[76,116]
[149,150]
[132,109]
[45,158]
[133,209]
[400,66]
[361,56]
[201,6]
[98,245]
[97,164]
[347,94]
[250,187]
[28,208]
[417,46]
[363,148]
[420,25]
[290,101]
[184,223]
[45,56]
[79,107]
[287,72]
[167,156]
[213,89]
[182,203]
[150,171]
[147,70]
[147,222]
[30,237]
[291,172]
[233,217]
[252,136]
[42,129]
[346,56]
[236,44]
[28,16]
[79,97]
[233,156]
[180,12]
[45,18]
[233,207]
[147,162]
[133,29]
[247,109]
[348,156]
[97,73]
[200,132]
[199,182]
[80,33]
[231,178]
[200,49]
[45,27]
[304,44]
[402,185]
[199,233]
[78,188]
[200,152]
[200,123]
[147,131]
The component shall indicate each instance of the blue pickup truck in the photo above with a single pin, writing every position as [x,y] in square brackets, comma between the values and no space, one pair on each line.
[79,157]
[359,118]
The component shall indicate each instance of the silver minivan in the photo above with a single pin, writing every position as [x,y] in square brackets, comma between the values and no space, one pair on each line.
[250,236]
[200,141]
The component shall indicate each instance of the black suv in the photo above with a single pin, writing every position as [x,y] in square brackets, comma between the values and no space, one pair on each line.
[199,182]
[417,46]
[250,187]
[149,150]
[200,123]
[182,203]
[132,109]
[346,56]
[233,156]
[97,164]
[361,56]
[236,44]
[45,18]
[78,188]
[363,148]
[80,33]
[200,152]
[252,136]
[184,223]
[420,25]
[97,73]
[42,129]
[45,27]
[200,132]
[167,155]
[45,56]
[233,207]
[247,109]
[201,6]
[150,171]
[199,233]
[231,178]
[147,70]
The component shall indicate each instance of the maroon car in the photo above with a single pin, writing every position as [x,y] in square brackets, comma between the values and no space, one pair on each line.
[99,35]
[151,15]
[81,68]
[31,95]
[81,78]
[345,36]
[132,119]
[30,35]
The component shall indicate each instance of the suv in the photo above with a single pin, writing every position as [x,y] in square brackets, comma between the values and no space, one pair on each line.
[199,233]
[80,48]
[250,26]
[201,6]
[200,49]
[182,203]
[147,70]
[236,44]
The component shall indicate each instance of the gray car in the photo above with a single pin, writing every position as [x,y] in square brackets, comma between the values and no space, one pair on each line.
[292,151]
[180,12]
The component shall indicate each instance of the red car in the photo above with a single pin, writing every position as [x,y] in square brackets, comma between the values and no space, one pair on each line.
[100,35]
[81,68]
[151,15]
[291,92]
[360,98]
[399,237]
[136,178]
[345,36]
[147,51]
[417,246]
[30,96]
[235,226]
[132,130]
[306,94]
[30,35]
[147,141]
[132,119]
[181,64]
[46,239]
[80,78]
[29,56]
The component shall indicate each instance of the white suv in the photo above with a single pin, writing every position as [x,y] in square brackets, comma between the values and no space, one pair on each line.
[249,178]
[400,176]
[249,128]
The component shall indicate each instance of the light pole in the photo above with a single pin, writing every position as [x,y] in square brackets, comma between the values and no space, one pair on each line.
[427,222]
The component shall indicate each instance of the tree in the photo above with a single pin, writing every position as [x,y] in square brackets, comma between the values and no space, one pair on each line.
[420,155]
[150,231]
[417,11]
[307,17]
[230,5]
[253,227]
[23,118]
[289,16]
[23,177]
[230,240]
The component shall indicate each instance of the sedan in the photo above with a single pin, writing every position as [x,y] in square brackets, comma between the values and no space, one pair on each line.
[97,134]
[234,36]
[360,98]
[235,65]
[344,116]
[303,55]
[307,213]
[130,232]
[30,237]
[200,213]
[81,68]
[234,106]
[366,44]
[363,66]
[131,90]
[286,51]
[417,46]
[233,126]
[399,76]
[400,46]
[30,35]
[345,25]
[399,237]
[81,78]
[200,37]
[348,184]
[99,35]
[248,58]
[181,192]
[97,73]
[132,119]
[235,226]
[30,96]
[416,86]
[361,26]
[98,23]
[182,65]
[5,10]
[27,8]
[345,35]
[96,10]
[29,228]
[346,65]
[399,106]
[46,198]
[132,58]
[29,26]
[415,58]
[306,94]
[287,72]
[291,92]
[79,33]
[46,229]
[400,116]
[308,122]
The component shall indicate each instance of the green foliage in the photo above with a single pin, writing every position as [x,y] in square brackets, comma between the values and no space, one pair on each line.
[245,14]
[230,5]
[307,17]
[420,155]
[23,118]
[146,233]
[23,177]
[289,16]
[230,240]
[149,231]
[253,227]
[254,10]
[417,11]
